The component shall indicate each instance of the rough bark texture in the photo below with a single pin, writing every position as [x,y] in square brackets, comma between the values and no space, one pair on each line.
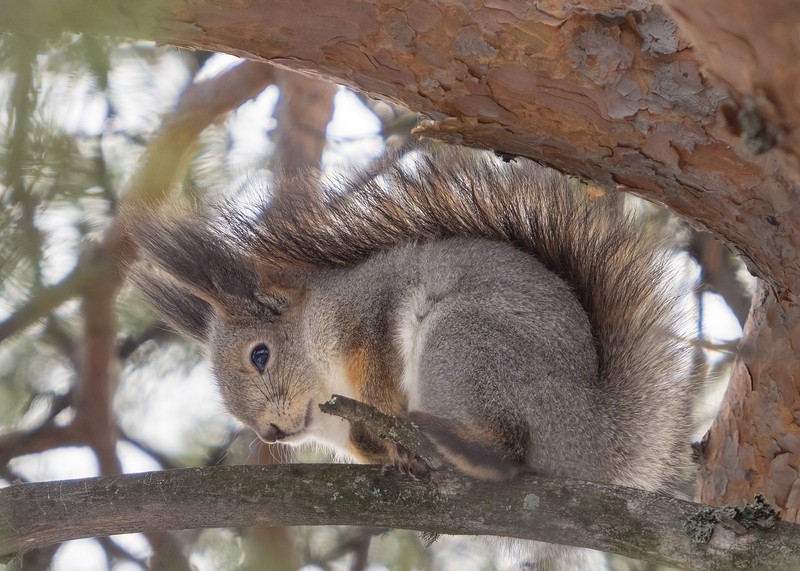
[753,48]
[754,443]
[620,520]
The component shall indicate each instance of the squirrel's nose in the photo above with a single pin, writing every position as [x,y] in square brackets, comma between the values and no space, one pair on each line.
[272,434]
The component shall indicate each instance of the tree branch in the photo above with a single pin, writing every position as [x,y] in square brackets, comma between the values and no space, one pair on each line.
[45,301]
[621,520]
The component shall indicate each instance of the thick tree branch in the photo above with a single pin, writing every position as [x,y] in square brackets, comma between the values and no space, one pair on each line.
[753,48]
[620,520]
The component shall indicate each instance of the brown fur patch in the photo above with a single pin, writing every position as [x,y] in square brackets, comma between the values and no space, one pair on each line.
[356,367]
[366,447]
[373,375]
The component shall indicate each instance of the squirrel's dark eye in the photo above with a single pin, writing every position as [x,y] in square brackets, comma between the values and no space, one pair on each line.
[259,357]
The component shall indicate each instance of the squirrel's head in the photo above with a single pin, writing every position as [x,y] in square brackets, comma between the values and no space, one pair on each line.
[264,365]
[251,323]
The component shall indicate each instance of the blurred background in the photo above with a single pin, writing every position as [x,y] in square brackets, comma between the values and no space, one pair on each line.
[91,382]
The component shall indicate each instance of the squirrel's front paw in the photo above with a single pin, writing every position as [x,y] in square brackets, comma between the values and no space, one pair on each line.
[408,463]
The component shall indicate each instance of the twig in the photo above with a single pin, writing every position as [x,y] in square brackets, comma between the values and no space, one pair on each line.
[43,438]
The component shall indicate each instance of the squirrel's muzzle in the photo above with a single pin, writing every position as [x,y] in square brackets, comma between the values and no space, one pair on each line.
[272,434]
[275,432]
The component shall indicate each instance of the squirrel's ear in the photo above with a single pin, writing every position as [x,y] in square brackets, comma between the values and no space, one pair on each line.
[201,257]
[187,313]
[278,290]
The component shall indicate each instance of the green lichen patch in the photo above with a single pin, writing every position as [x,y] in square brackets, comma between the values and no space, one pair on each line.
[531,502]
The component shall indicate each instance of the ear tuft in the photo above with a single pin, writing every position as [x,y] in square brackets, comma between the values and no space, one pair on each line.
[198,254]
[278,290]
[186,313]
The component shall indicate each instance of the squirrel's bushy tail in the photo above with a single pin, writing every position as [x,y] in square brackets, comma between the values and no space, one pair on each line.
[618,268]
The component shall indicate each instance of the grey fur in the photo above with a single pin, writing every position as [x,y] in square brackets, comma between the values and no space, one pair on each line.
[524,325]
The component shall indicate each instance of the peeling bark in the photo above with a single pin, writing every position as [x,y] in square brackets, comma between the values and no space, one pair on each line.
[753,48]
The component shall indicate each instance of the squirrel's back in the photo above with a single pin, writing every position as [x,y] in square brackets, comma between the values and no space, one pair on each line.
[620,271]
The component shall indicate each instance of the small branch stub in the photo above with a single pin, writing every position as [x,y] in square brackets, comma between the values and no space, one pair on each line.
[406,434]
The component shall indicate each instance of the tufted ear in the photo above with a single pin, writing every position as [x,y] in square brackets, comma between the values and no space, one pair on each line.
[186,313]
[201,258]
[279,290]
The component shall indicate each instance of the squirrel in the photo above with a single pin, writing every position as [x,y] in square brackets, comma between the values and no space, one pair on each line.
[522,324]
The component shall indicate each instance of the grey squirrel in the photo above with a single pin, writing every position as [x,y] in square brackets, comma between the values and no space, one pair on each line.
[520,323]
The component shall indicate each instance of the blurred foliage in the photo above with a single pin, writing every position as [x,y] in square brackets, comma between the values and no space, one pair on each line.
[75,118]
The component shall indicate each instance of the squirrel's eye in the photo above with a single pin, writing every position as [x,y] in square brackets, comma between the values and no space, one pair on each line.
[259,357]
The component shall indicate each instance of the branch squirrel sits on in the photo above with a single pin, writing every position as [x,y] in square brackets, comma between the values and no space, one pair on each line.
[521,324]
